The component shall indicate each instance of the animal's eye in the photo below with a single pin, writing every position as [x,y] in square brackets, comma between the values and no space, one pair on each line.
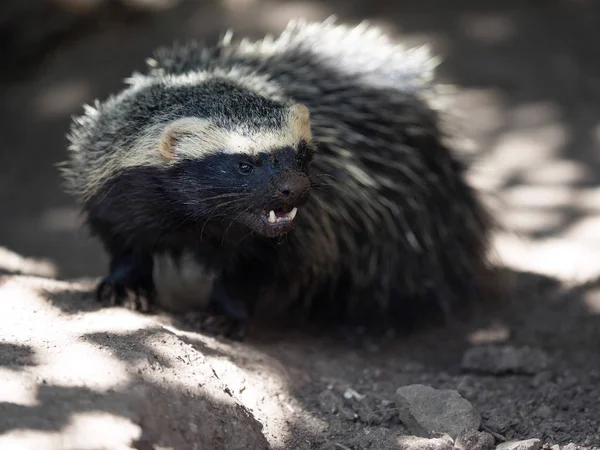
[245,167]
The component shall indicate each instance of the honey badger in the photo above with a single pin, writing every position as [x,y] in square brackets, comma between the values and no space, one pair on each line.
[306,173]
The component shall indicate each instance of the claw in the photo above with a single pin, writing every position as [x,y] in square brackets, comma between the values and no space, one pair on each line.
[116,294]
[108,293]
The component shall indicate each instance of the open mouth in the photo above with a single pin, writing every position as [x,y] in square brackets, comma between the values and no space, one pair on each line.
[280,217]
[271,223]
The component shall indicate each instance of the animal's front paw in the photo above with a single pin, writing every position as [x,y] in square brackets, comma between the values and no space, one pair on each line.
[116,292]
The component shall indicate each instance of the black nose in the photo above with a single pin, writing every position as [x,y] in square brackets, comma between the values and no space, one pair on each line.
[294,189]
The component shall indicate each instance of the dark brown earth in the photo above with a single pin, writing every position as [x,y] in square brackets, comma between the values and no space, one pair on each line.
[527,75]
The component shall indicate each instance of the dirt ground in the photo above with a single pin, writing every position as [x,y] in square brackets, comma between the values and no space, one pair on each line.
[527,75]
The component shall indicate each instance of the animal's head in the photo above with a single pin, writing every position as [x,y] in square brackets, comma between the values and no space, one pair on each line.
[248,167]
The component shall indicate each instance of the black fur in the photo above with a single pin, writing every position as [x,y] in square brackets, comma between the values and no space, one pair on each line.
[197,205]
[388,230]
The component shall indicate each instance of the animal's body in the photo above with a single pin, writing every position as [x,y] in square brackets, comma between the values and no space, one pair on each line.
[304,171]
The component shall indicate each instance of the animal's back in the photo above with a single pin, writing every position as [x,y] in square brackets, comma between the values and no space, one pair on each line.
[319,64]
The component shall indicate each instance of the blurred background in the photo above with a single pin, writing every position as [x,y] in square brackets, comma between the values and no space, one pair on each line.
[526,73]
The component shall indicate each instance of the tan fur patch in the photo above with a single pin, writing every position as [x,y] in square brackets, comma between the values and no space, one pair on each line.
[299,122]
[175,132]
[194,137]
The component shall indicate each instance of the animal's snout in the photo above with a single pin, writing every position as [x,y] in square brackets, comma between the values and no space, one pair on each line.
[294,189]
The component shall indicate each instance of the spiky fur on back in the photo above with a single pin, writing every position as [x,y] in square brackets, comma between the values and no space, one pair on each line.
[391,225]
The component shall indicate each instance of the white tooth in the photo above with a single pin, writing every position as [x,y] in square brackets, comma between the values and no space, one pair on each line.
[292,213]
[272,217]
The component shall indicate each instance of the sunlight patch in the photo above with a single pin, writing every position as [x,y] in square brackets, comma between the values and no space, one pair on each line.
[16,388]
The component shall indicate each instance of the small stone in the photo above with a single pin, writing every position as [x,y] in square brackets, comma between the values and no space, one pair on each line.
[474,440]
[570,446]
[555,447]
[498,360]
[425,411]
[501,420]
[420,443]
[529,444]
[351,393]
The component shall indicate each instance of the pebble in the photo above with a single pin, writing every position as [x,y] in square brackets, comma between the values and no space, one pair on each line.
[529,444]
[351,393]
[474,440]
[420,443]
[499,360]
[425,411]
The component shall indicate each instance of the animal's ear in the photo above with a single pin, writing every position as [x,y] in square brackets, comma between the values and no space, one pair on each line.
[176,133]
[299,122]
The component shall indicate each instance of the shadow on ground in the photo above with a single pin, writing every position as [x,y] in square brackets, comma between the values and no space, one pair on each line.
[308,388]
[106,379]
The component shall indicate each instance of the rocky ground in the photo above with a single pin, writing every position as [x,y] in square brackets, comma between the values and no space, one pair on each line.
[77,376]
